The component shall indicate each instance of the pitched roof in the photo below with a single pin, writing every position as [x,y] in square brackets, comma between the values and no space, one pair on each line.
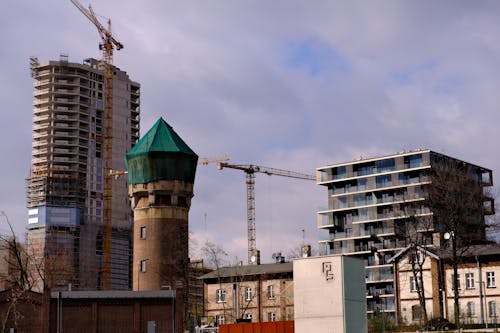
[471,251]
[161,154]
[160,138]
[474,250]
[248,270]
[402,252]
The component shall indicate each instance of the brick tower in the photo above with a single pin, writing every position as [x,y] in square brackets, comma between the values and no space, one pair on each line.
[161,171]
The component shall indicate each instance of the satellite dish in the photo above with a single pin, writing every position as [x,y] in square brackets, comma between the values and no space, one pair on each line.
[447,235]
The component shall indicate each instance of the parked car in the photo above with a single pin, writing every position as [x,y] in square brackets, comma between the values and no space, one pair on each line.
[439,324]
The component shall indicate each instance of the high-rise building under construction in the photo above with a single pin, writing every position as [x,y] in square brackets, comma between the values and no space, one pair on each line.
[65,187]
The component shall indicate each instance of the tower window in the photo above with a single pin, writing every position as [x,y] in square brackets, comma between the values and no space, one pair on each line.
[143,232]
[142,266]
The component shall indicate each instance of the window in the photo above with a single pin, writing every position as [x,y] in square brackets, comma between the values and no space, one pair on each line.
[383,181]
[362,184]
[458,282]
[490,279]
[342,202]
[471,311]
[220,319]
[339,172]
[469,280]
[248,294]
[220,295]
[492,309]
[142,266]
[270,291]
[416,312]
[271,316]
[143,232]
[413,285]
[413,161]
[385,165]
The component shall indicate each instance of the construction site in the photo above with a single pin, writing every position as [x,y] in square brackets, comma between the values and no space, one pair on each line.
[68,193]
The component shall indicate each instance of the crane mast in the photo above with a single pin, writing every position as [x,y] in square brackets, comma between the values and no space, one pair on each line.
[250,171]
[108,42]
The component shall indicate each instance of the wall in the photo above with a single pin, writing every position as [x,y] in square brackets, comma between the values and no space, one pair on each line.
[489,294]
[108,313]
[408,299]
[329,294]
[274,327]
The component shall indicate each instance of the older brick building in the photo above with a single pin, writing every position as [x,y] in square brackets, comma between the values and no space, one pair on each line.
[256,293]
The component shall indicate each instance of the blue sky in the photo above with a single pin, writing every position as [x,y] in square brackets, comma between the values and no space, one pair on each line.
[288,84]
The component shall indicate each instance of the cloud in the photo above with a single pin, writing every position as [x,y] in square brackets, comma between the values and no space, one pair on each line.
[281,84]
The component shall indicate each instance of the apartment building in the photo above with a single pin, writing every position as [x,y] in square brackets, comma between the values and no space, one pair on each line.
[370,202]
[65,184]
[252,293]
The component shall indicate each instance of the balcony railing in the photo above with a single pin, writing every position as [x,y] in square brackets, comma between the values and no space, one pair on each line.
[379,274]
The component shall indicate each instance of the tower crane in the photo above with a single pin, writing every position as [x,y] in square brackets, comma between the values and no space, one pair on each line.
[108,42]
[208,160]
[250,171]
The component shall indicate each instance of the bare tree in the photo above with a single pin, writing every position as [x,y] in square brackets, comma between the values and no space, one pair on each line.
[417,231]
[17,277]
[216,258]
[459,203]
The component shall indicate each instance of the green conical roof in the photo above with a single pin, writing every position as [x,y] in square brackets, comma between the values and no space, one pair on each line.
[161,154]
[160,138]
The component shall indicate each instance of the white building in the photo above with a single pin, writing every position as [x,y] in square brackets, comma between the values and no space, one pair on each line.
[329,294]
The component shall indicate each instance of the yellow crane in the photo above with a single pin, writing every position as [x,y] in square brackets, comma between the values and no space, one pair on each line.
[108,43]
[250,171]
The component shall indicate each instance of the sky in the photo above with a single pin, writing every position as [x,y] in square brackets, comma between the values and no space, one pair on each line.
[294,85]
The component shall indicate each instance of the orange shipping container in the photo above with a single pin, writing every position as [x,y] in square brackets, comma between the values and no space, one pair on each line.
[267,327]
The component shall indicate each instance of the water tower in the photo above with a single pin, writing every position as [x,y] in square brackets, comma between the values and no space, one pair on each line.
[161,170]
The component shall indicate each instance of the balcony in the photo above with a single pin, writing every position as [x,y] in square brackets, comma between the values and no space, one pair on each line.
[377,292]
[41,83]
[39,143]
[40,135]
[39,127]
[385,305]
[65,100]
[39,92]
[39,119]
[38,160]
[379,274]
[65,91]
[38,152]
[41,101]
